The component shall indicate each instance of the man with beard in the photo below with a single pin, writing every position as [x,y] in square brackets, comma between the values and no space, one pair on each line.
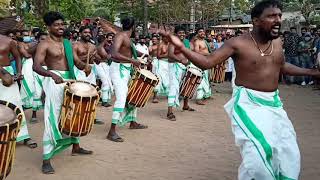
[8,84]
[202,46]
[56,53]
[262,129]
[103,69]
[122,52]
[177,68]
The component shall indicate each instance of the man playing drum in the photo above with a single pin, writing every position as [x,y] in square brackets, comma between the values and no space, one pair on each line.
[56,53]
[163,68]
[9,89]
[85,51]
[177,69]
[202,46]
[122,52]
[262,129]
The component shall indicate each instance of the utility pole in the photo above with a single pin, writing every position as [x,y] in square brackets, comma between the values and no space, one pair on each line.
[145,18]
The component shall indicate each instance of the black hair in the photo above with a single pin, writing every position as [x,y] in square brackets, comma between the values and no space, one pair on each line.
[142,37]
[258,9]
[109,34]
[41,34]
[192,35]
[52,16]
[9,32]
[293,28]
[199,28]
[35,30]
[82,28]
[127,23]
[24,30]
[179,28]
[303,28]
[100,38]
[155,35]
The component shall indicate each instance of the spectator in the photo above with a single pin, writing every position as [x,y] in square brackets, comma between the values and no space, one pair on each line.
[305,48]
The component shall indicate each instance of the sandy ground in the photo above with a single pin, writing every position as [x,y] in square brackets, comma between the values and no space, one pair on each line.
[199,145]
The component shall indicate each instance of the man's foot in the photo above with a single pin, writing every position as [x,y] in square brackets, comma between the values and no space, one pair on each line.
[33,120]
[200,102]
[106,104]
[135,125]
[114,137]
[155,100]
[171,117]
[81,151]
[98,122]
[188,109]
[47,168]
[303,83]
[30,143]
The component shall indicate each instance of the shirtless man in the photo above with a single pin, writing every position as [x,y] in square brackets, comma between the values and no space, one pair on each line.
[56,53]
[103,69]
[86,52]
[122,52]
[8,83]
[202,46]
[262,130]
[177,68]
[153,49]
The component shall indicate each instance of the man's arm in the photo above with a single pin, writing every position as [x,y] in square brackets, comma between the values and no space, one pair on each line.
[15,53]
[201,61]
[23,51]
[292,70]
[39,58]
[102,52]
[172,57]
[115,51]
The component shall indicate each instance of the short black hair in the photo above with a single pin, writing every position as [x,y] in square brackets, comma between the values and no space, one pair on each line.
[303,28]
[179,28]
[127,23]
[199,28]
[52,16]
[258,9]
[142,37]
[41,33]
[9,32]
[109,34]
[293,28]
[82,28]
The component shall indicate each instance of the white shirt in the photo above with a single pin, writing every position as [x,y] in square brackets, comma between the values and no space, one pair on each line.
[142,48]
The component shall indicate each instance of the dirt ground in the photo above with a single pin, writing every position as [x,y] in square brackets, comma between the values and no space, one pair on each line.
[199,145]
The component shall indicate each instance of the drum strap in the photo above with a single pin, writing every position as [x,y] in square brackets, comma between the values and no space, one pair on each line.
[8,141]
[69,56]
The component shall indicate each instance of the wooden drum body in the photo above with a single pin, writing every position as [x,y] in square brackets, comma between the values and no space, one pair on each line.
[141,87]
[190,82]
[218,73]
[78,111]
[10,120]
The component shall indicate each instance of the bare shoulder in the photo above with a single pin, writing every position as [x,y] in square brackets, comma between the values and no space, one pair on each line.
[44,44]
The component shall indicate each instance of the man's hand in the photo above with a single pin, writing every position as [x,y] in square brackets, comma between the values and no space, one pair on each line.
[184,62]
[136,63]
[7,79]
[174,40]
[19,77]
[87,70]
[57,79]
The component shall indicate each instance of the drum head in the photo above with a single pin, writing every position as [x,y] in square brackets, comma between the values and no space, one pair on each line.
[83,89]
[195,71]
[148,74]
[6,114]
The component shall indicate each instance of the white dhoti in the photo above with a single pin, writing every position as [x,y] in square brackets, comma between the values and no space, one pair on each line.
[233,76]
[81,75]
[53,141]
[176,73]
[38,89]
[204,89]
[11,94]
[120,76]
[27,84]
[161,69]
[265,135]
[103,73]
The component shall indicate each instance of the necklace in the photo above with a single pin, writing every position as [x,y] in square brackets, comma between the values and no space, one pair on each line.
[59,46]
[262,53]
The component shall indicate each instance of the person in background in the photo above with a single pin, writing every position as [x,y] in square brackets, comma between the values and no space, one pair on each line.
[305,48]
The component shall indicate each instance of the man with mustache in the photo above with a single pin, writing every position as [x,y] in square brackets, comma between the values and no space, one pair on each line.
[262,129]
[202,46]
[56,53]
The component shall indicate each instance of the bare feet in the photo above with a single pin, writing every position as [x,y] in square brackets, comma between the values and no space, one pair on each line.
[171,117]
